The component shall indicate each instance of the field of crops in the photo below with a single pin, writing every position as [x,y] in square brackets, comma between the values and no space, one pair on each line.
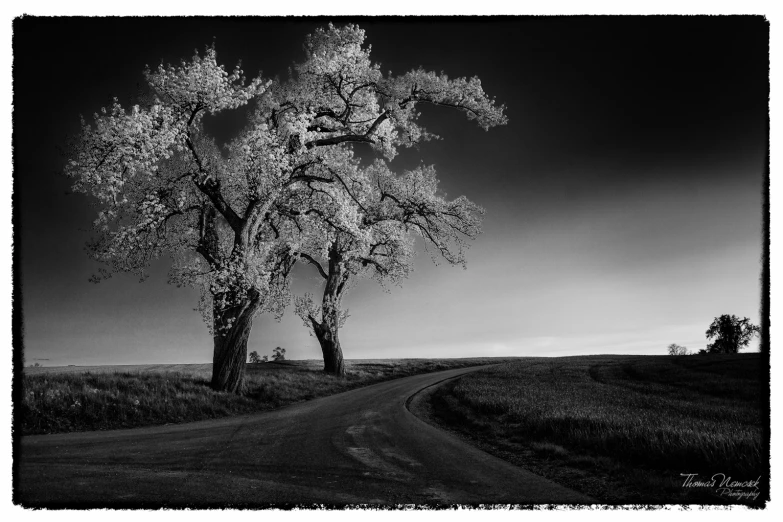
[639,422]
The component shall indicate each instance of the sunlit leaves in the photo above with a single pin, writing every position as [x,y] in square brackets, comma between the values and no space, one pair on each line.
[120,145]
[413,200]
[345,98]
[202,84]
[377,240]
[464,94]
[235,219]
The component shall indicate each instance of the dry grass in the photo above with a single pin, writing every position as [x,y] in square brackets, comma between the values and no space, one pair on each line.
[641,421]
[98,398]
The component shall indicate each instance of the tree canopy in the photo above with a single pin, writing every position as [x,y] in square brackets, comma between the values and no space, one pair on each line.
[236,220]
[391,209]
[730,333]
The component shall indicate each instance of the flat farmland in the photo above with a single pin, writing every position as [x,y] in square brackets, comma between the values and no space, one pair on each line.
[86,398]
[623,429]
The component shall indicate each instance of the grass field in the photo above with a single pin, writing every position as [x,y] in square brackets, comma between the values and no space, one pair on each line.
[76,398]
[619,428]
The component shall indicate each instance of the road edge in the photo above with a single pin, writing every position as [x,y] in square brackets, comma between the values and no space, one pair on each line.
[418,405]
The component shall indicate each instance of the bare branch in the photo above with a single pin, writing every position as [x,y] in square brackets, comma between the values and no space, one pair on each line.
[316,264]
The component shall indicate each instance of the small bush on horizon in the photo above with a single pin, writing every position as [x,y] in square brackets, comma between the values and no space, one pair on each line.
[676,349]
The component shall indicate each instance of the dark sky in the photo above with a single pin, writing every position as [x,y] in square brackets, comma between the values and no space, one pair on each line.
[623,198]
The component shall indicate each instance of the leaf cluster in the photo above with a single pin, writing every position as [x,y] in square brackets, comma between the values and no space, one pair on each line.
[288,188]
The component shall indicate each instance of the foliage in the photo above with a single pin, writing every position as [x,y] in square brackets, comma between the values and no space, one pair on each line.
[235,221]
[278,354]
[164,188]
[376,238]
[676,349]
[730,333]
[254,357]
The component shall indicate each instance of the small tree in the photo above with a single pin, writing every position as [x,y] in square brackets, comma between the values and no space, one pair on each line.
[730,333]
[278,354]
[676,349]
[254,357]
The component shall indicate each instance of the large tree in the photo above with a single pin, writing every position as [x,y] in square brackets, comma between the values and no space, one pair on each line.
[391,209]
[730,333]
[230,220]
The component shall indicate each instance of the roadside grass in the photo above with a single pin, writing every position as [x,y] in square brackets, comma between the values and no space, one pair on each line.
[619,428]
[101,398]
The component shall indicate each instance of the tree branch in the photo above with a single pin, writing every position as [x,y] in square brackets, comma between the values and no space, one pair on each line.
[356,138]
[211,189]
[209,258]
[350,193]
[336,140]
[307,178]
[316,264]
[380,268]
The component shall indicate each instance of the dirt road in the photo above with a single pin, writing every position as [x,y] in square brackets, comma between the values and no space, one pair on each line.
[361,446]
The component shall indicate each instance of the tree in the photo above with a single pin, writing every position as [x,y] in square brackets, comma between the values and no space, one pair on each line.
[255,358]
[730,333]
[231,221]
[278,354]
[676,349]
[391,209]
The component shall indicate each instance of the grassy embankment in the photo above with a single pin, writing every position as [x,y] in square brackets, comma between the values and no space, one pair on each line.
[99,398]
[619,428]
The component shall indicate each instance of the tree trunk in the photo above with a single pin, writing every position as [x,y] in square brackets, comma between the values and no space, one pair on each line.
[330,346]
[230,345]
[326,330]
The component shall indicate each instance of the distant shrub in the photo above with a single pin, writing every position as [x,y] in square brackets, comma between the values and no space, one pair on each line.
[676,349]
[254,357]
[278,354]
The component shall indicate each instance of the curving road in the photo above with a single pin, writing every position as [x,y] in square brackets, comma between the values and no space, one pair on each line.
[357,447]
